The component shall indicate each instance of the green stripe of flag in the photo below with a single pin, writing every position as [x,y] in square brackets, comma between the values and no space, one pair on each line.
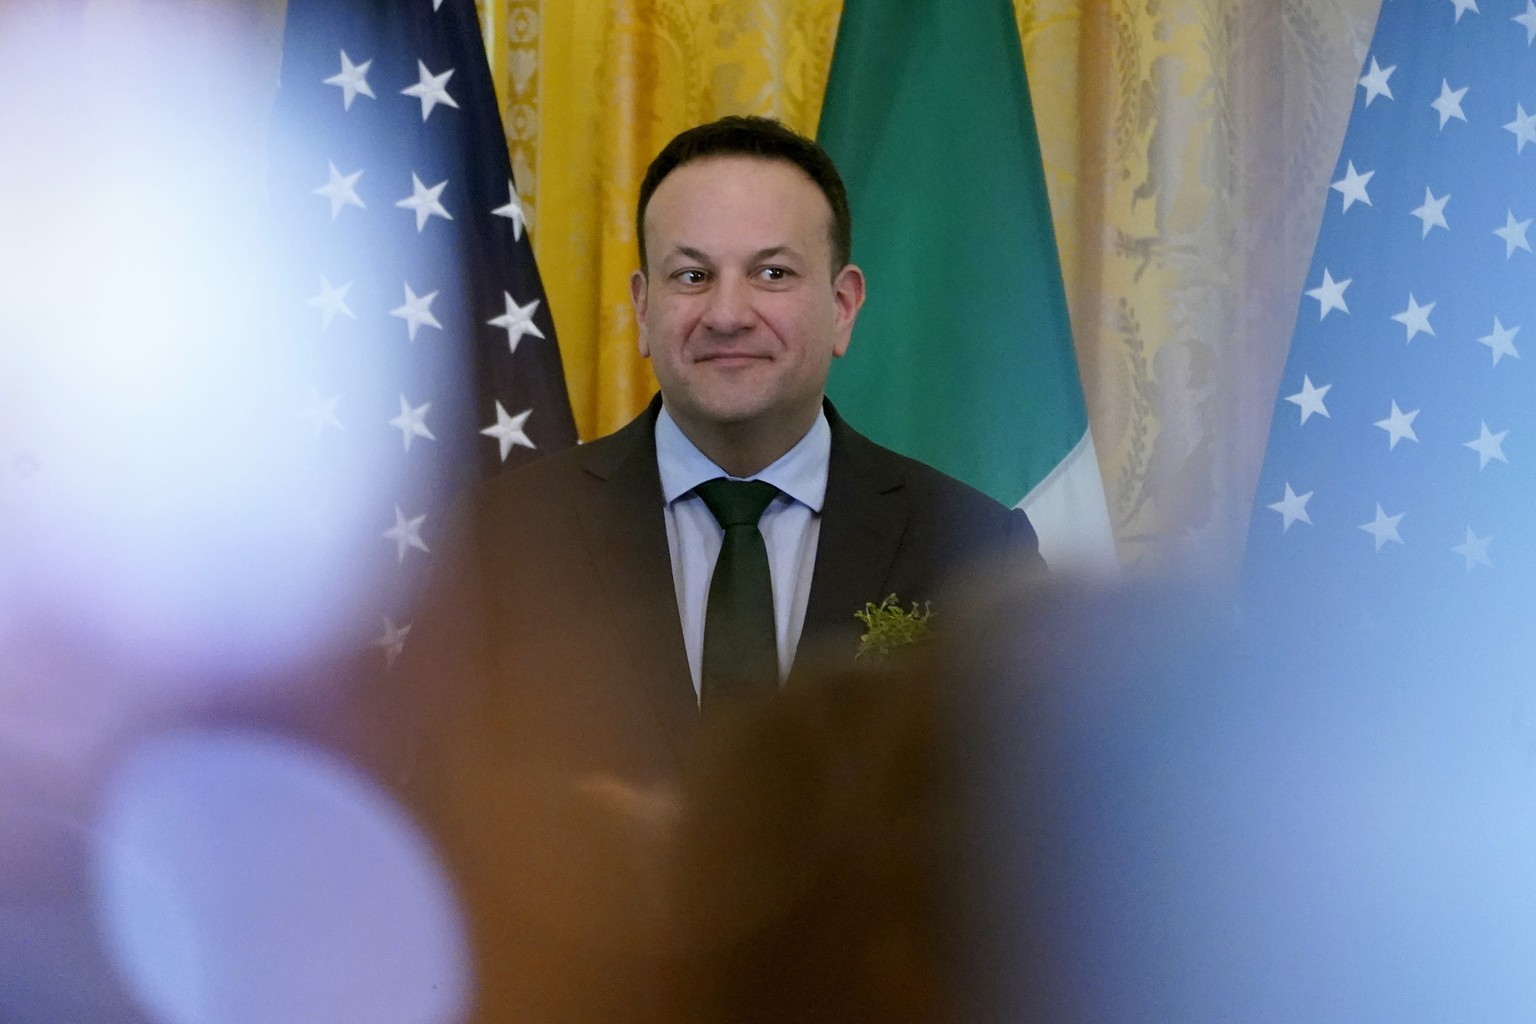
[963,354]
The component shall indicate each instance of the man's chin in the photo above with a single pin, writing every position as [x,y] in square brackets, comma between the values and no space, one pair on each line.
[739,411]
[733,415]
[726,406]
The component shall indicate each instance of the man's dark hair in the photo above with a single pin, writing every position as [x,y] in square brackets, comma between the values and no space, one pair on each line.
[760,137]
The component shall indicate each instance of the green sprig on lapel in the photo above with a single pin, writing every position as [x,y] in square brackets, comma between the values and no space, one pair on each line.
[888,626]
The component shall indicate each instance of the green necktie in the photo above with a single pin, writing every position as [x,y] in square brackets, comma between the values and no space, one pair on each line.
[740,646]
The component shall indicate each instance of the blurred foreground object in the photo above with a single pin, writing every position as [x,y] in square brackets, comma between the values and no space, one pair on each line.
[181,547]
[1122,807]
[158,554]
[155,480]
[244,877]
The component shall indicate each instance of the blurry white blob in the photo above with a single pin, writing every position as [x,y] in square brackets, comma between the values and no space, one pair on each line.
[242,877]
[155,497]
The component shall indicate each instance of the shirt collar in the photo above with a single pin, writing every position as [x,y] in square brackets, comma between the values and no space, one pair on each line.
[800,472]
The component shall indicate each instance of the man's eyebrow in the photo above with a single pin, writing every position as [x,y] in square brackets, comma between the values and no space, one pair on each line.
[776,250]
[699,256]
[689,252]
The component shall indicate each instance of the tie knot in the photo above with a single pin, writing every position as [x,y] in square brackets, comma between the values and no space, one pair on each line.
[736,502]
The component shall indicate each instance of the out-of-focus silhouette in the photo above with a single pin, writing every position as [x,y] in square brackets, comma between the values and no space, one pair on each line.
[1122,805]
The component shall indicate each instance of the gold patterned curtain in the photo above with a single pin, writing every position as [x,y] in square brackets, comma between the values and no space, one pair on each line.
[1187,145]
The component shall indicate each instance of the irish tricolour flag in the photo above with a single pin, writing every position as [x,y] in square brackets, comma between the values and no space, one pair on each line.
[963,354]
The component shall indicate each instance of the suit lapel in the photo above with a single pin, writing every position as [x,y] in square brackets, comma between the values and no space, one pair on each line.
[862,521]
[620,509]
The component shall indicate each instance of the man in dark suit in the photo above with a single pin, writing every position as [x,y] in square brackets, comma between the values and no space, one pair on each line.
[577,618]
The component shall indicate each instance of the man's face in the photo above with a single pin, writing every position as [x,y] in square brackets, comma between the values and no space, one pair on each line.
[740,312]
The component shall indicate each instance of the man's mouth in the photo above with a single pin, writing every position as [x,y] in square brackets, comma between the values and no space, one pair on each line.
[732,359]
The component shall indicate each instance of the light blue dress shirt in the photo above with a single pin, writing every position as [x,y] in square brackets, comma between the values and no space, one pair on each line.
[791,526]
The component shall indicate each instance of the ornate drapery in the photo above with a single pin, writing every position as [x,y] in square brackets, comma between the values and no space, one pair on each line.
[1187,181]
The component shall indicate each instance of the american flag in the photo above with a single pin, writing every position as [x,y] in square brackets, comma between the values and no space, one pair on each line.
[410,295]
[1398,478]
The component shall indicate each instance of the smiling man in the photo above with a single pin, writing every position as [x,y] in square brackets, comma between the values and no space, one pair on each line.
[722,542]
[745,295]
[608,597]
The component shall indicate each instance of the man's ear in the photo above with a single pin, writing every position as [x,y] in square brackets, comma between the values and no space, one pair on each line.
[637,296]
[847,299]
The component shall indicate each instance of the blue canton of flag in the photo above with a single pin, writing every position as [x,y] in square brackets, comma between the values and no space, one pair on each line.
[409,287]
[1399,468]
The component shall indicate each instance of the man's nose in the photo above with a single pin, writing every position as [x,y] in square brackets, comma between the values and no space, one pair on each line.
[730,305]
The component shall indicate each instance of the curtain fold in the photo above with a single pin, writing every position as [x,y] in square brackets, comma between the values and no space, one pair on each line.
[1206,134]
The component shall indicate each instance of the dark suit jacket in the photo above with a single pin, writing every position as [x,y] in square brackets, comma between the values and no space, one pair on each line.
[550,658]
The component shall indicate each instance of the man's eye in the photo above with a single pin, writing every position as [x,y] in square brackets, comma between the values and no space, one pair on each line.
[692,276]
[774,273]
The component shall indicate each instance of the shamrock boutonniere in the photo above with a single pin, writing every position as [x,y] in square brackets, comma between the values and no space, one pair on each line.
[889,627]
